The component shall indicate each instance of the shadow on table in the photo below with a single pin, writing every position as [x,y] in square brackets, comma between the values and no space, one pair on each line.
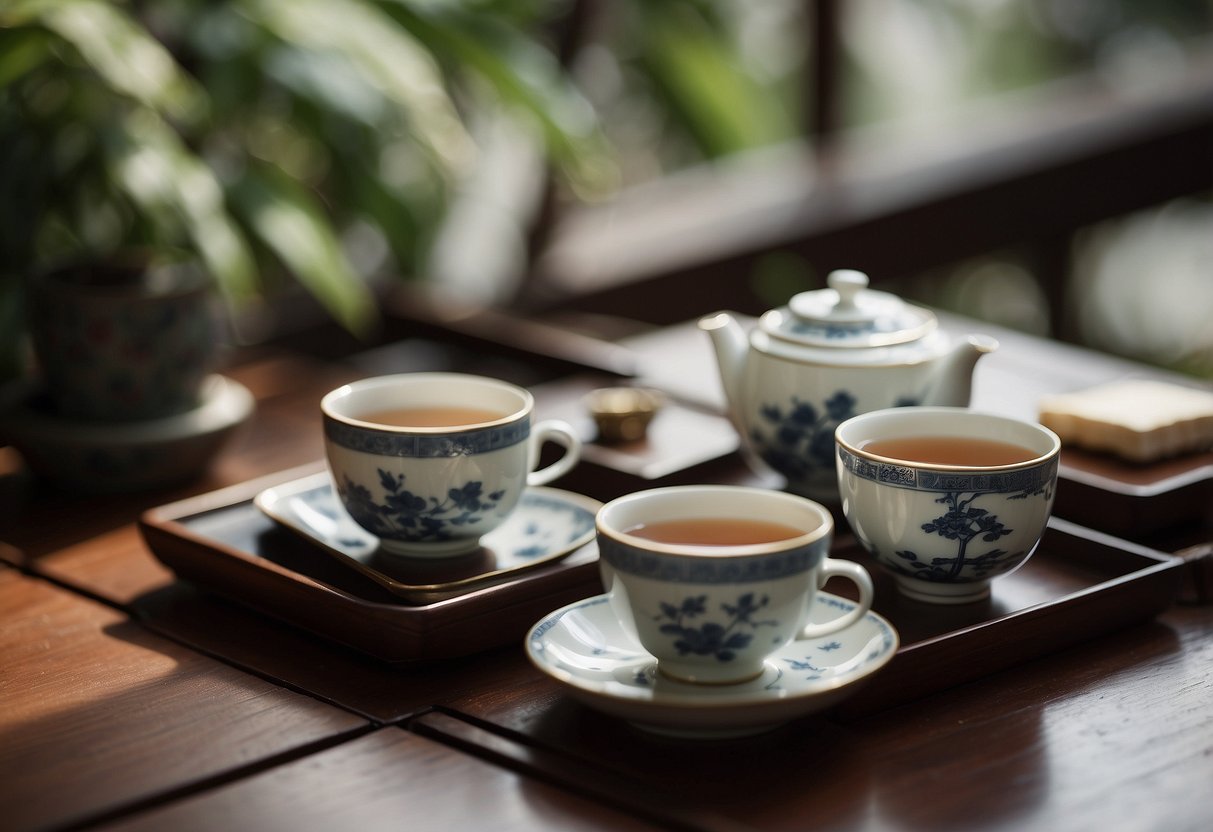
[755,781]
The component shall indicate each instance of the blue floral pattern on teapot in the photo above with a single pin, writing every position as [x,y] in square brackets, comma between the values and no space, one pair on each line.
[797,439]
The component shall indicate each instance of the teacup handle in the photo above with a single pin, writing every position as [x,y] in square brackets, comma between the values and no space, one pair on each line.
[857,575]
[562,434]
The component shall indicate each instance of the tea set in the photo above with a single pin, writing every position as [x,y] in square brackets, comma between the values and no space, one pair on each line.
[702,638]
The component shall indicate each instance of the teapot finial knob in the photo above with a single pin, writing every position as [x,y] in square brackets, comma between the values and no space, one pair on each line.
[848,283]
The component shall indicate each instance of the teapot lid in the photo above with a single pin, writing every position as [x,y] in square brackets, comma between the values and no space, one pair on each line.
[848,314]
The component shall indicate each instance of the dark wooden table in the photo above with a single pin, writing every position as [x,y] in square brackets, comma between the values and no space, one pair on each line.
[134,700]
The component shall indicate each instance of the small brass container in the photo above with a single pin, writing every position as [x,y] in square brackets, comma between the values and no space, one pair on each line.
[622,413]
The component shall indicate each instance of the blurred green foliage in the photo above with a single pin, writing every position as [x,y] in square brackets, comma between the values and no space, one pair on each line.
[257,133]
[274,138]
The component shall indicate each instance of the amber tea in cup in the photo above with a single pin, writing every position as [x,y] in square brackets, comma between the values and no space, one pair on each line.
[432,417]
[714,531]
[950,450]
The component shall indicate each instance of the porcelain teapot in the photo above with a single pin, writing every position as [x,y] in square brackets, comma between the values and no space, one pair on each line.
[831,354]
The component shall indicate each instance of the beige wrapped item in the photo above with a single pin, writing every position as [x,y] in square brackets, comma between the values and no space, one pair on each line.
[1136,419]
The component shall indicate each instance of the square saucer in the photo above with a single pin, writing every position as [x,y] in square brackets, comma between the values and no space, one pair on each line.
[547,525]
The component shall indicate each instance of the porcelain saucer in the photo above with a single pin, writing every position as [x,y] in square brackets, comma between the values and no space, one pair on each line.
[95,456]
[547,525]
[584,647]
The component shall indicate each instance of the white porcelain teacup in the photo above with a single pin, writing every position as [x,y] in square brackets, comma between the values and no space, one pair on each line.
[431,462]
[939,508]
[711,580]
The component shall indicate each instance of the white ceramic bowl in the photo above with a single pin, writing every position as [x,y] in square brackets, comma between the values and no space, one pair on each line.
[945,531]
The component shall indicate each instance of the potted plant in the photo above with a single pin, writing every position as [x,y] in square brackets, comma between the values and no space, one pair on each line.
[312,142]
[263,144]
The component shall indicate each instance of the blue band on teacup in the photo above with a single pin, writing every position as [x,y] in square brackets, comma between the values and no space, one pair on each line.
[919,479]
[398,443]
[700,569]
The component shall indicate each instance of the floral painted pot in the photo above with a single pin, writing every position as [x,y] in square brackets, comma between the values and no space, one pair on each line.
[124,340]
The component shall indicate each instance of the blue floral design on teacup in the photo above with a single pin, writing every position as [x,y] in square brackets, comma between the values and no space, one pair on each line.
[964,522]
[966,542]
[405,515]
[712,638]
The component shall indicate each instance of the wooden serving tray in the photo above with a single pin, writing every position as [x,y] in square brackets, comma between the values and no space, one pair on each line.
[1078,584]
[1134,500]
[222,542]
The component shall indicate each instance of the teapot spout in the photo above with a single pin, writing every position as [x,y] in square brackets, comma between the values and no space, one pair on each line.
[732,347]
[954,383]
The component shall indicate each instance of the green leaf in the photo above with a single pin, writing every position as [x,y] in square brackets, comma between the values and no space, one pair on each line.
[179,194]
[290,221]
[701,77]
[121,52]
[24,12]
[525,75]
[400,67]
[334,84]
[21,50]
[403,220]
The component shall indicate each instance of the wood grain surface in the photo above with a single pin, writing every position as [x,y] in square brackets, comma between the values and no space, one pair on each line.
[1109,734]
[135,699]
[388,780]
[99,714]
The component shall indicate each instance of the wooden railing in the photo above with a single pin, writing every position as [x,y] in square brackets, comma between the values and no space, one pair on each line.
[1026,175]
